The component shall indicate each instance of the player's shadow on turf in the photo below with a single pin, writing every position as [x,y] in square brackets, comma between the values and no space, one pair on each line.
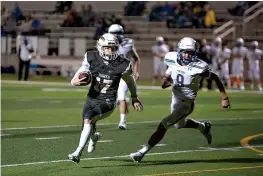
[245,109]
[226,160]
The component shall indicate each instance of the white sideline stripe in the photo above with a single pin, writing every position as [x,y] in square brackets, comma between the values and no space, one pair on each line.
[139,87]
[142,122]
[124,156]
[48,138]
[161,145]
[106,141]
[6,134]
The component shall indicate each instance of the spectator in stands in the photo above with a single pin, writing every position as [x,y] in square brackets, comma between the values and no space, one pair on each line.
[134,8]
[17,13]
[239,9]
[87,15]
[210,17]
[4,14]
[25,26]
[25,55]
[72,19]
[35,28]
[100,30]
[199,15]
[156,11]
[62,6]
[10,26]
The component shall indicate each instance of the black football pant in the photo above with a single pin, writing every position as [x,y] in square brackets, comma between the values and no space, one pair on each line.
[23,64]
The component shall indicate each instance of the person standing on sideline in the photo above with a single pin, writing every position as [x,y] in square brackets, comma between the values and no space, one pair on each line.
[25,50]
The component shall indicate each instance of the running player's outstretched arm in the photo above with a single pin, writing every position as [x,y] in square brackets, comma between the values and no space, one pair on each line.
[167,80]
[225,100]
[136,63]
[128,78]
[83,68]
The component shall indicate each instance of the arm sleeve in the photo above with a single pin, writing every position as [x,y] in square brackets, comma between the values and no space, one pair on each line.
[169,71]
[128,78]
[206,73]
[83,68]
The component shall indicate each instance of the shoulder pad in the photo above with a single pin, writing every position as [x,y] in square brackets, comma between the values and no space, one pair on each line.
[170,58]
[127,41]
[200,65]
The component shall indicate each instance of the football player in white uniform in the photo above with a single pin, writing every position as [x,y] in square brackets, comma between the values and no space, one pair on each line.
[223,62]
[128,49]
[254,55]
[239,53]
[159,50]
[186,71]
[215,52]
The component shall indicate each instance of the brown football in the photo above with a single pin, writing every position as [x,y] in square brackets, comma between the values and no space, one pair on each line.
[85,75]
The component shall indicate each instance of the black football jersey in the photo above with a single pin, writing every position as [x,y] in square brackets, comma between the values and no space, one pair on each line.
[106,77]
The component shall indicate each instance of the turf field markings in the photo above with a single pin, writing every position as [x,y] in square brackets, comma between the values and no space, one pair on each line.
[208,170]
[105,141]
[141,122]
[6,134]
[24,99]
[120,156]
[244,142]
[48,138]
[139,87]
[56,101]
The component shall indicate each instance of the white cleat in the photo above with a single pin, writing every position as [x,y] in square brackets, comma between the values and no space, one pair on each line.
[74,157]
[122,125]
[242,87]
[137,156]
[93,141]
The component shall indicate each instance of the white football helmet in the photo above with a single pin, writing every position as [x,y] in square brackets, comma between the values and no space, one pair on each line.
[187,44]
[108,40]
[239,42]
[218,41]
[117,30]
[254,44]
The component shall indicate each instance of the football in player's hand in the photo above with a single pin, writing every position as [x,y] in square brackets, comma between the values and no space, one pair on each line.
[85,77]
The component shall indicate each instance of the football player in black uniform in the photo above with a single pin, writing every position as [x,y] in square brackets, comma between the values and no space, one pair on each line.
[105,68]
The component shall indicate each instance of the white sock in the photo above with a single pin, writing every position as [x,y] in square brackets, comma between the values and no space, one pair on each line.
[259,87]
[84,137]
[146,148]
[123,118]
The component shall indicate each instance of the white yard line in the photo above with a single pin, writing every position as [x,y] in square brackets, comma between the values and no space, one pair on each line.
[124,156]
[103,141]
[48,138]
[142,122]
[139,87]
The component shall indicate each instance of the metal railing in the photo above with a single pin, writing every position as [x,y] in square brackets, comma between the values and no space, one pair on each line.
[225,30]
[250,14]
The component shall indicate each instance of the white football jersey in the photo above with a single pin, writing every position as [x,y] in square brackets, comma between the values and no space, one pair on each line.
[215,52]
[226,54]
[239,52]
[160,49]
[186,79]
[254,55]
[126,47]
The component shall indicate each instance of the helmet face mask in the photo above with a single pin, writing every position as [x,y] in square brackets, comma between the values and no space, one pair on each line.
[187,50]
[117,30]
[108,46]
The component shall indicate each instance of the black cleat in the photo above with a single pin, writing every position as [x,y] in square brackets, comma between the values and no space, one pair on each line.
[207,132]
